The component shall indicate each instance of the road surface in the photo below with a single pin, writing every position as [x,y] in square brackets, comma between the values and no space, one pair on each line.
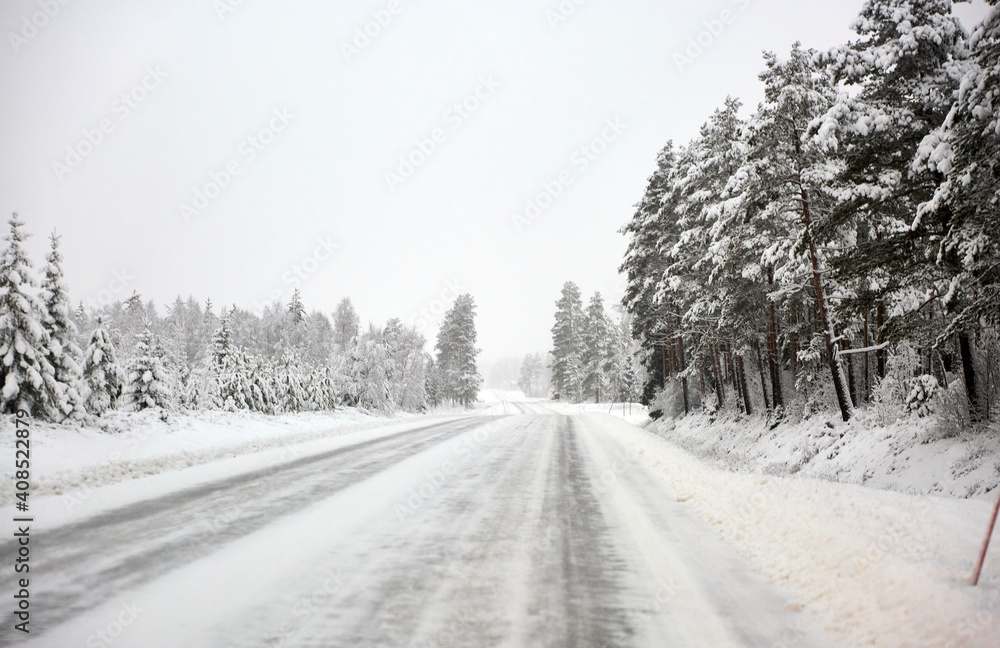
[532,529]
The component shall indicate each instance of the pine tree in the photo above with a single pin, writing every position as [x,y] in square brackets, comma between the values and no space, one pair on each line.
[27,376]
[296,311]
[598,348]
[965,150]
[345,324]
[567,344]
[64,353]
[101,372]
[148,383]
[456,352]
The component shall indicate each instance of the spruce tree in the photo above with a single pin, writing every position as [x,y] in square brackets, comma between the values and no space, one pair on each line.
[64,353]
[27,376]
[567,344]
[148,383]
[457,352]
[102,374]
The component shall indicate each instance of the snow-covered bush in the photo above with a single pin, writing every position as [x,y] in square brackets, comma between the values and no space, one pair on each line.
[920,395]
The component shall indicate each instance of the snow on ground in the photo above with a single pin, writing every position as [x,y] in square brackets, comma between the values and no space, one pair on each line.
[882,568]
[903,456]
[633,413]
[67,459]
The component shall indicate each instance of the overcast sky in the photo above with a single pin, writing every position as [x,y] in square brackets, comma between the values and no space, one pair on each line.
[234,150]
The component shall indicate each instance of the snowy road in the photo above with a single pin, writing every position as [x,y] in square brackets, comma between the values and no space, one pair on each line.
[526,530]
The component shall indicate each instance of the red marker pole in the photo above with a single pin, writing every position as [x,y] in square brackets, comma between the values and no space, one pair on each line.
[986,544]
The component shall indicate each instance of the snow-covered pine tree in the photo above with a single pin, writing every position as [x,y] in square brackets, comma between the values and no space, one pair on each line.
[27,377]
[296,311]
[64,353]
[148,383]
[456,352]
[597,348]
[798,173]
[345,325]
[567,344]
[965,150]
[899,79]
[102,375]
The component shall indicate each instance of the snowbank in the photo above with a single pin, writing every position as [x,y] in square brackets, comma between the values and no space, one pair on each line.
[900,456]
[66,458]
[881,568]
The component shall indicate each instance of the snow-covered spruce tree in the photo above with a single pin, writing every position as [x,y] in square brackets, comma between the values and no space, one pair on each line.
[645,260]
[567,344]
[456,352]
[296,311]
[64,353]
[966,151]
[27,376]
[598,347]
[102,375]
[148,383]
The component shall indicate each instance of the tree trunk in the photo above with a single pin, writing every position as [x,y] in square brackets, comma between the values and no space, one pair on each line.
[773,356]
[682,365]
[969,371]
[843,399]
[882,355]
[742,377]
[760,370]
[720,393]
[851,384]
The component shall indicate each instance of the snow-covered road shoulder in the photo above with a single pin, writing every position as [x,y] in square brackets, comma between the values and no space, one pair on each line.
[879,568]
[70,462]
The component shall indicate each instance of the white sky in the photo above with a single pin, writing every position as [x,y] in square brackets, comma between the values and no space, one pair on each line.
[323,176]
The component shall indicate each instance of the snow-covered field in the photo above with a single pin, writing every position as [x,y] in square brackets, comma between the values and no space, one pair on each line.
[903,456]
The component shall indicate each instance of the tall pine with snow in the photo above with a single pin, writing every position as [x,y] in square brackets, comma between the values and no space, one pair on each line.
[598,345]
[102,375]
[64,353]
[148,383]
[27,376]
[568,347]
[965,150]
[457,352]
